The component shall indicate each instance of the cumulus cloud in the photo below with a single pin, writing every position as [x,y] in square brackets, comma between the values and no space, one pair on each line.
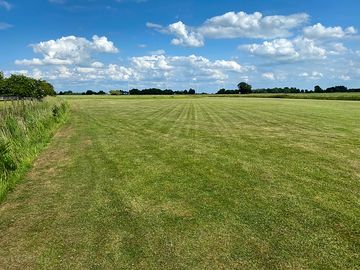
[299,48]
[315,75]
[241,24]
[183,68]
[69,50]
[233,25]
[185,36]
[150,70]
[318,31]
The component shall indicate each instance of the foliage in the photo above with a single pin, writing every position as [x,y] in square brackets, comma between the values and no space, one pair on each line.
[23,86]
[118,92]
[244,88]
[157,91]
[24,128]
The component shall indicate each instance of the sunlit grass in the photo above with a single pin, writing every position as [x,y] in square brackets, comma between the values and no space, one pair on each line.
[192,183]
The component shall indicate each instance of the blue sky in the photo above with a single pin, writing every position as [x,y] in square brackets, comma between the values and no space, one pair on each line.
[206,45]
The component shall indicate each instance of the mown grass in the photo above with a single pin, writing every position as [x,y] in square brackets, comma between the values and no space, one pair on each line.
[25,127]
[195,183]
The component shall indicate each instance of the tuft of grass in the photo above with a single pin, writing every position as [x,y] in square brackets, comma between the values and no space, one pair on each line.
[25,127]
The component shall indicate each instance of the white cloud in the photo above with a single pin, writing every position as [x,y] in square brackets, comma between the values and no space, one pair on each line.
[102,44]
[345,77]
[241,24]
[233,25]
[337,48]
[315,75]
[97,65]
[69,50]
[185,36]
[318,31]
[5,4]
[152,70]
[85,69]
[284,49]
[268,76]
[184,68]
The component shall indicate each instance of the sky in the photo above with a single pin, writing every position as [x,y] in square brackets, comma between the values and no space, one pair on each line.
[206,45]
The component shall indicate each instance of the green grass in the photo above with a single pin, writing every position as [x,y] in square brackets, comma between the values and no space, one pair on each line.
[191,183]
[25,128]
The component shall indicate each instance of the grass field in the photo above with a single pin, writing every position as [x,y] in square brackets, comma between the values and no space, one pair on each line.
[191,183]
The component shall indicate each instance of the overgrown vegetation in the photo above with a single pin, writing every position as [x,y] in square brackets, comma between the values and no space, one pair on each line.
[25,127]
[23,86]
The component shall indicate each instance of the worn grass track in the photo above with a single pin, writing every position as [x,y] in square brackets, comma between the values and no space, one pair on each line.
[203,183]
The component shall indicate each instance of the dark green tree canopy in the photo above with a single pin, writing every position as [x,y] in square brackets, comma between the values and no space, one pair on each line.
[23,86]
[244,88]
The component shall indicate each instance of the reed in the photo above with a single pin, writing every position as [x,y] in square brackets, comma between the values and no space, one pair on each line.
[25,128]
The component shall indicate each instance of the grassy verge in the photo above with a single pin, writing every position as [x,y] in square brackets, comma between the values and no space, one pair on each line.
[25,127]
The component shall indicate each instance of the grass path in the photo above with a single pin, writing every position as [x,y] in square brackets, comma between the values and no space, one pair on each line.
[205,183]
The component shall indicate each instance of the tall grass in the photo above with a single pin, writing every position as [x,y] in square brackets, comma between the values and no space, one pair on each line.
[25,128]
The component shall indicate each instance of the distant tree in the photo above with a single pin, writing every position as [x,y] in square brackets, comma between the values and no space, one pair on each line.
[90,92]
[101,93]
[336,89]
[318,89]
[244,88]
[168,92]
[221,91]
[115,92]
[191,91]
[134,92]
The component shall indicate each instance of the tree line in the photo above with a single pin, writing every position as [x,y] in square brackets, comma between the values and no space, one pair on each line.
[244,88]
[23,86]
[148,91]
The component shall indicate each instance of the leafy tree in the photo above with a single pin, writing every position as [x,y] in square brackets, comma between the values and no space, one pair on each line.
[47,88]
[191,91]
[134,92]
[244,88]
[90,92]
[221,91]
[317,89]
[2,78]
[115,92]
